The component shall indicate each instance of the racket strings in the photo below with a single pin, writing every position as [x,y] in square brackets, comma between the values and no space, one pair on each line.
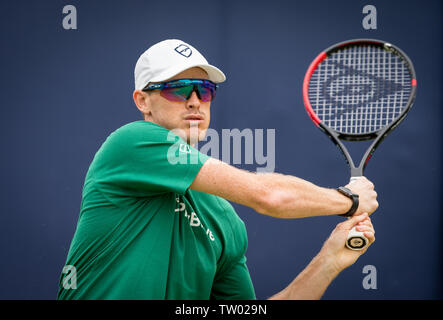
[360,89]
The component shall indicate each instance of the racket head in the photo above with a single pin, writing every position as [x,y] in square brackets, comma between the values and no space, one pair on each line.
[359,89]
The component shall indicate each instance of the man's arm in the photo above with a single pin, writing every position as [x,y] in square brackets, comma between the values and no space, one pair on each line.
[313,281]
[278,195]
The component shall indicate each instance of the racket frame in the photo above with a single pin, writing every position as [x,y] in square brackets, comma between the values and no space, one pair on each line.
[377,135]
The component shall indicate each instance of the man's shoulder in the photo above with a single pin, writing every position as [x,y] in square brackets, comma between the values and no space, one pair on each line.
[127,139]
[140,126]
[142,130]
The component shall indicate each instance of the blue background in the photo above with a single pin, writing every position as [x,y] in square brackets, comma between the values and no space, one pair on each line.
[64,91]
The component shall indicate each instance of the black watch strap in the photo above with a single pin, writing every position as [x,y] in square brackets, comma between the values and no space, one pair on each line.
[354,197]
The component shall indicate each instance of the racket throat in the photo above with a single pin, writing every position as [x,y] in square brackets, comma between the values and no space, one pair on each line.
[356,172]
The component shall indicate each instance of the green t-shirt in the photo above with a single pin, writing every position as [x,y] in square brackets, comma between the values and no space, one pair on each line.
[142,234]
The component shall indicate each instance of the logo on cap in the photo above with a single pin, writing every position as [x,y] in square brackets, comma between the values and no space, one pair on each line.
[184,50]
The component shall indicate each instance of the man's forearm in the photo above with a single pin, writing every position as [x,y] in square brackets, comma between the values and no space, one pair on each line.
[292,197]
[277,195]
[311,283]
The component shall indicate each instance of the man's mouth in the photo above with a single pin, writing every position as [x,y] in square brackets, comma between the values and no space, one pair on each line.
[194,117]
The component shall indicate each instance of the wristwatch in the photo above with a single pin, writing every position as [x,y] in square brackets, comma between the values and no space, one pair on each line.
[353,196]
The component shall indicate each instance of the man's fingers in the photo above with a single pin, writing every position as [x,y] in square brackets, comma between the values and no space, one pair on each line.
[366,222]
[365,229]
[354,220]
[370,236]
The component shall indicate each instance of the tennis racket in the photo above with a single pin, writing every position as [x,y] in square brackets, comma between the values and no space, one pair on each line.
[359,90]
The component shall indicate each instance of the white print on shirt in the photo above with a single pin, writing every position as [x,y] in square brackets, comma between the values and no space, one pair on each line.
[185,148]
[194,221]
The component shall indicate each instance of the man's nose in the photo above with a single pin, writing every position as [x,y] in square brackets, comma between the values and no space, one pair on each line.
[193,101]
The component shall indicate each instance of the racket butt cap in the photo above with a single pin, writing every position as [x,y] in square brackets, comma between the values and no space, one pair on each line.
[356,240]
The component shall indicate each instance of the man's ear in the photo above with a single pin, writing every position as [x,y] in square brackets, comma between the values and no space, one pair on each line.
[142,101]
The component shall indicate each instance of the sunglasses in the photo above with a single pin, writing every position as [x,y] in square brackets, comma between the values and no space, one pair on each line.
[182,89]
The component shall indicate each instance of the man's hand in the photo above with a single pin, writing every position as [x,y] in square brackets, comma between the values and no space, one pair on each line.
[367,195]
[334,249]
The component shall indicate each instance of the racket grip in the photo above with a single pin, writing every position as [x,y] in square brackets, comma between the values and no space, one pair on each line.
[356,240]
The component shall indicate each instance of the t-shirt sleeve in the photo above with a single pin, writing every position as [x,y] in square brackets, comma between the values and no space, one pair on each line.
[143,159]
[234,284]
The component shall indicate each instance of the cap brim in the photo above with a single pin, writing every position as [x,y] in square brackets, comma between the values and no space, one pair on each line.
[214,73]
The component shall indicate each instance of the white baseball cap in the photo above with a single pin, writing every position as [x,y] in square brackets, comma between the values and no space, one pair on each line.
[168,58]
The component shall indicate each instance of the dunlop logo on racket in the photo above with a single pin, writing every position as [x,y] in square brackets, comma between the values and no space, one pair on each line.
[352,88]
[359,90]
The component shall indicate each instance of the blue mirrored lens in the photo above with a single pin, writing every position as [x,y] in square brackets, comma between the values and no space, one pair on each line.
[181,89]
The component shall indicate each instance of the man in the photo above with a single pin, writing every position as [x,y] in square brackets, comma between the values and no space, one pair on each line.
[155,222]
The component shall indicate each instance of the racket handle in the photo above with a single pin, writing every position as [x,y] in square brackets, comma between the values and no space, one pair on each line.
[356,239]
